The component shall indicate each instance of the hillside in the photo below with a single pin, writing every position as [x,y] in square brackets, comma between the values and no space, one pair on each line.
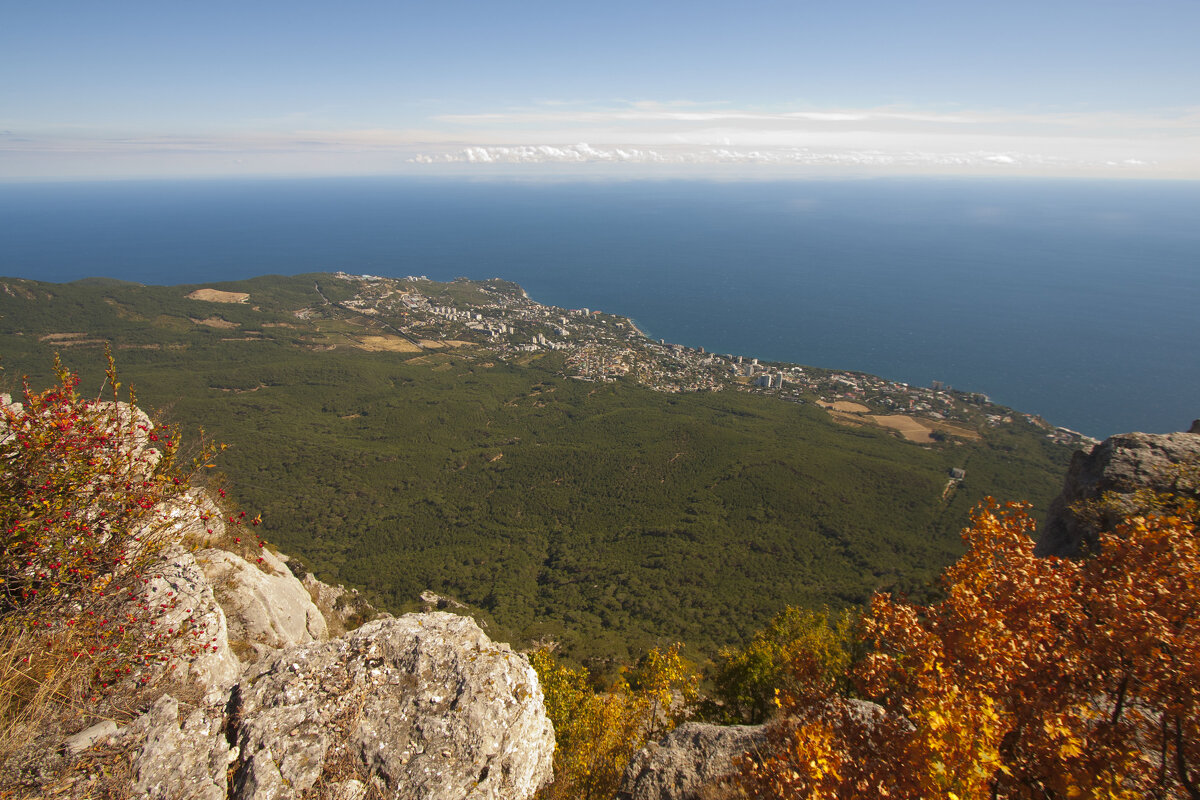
[552,468]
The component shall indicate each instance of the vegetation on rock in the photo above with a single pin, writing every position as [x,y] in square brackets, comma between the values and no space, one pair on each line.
[89,490]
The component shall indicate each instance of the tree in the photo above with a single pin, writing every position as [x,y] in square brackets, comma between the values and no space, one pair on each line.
[1034,678]
[597,733]
[799,651]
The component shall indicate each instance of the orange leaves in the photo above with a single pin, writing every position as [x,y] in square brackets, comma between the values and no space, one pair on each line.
[1033,678]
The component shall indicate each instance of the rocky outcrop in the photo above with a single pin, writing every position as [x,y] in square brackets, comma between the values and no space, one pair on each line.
[187,599]
[266,607]
[696,760]
[1120,467]
[689,762]
[343,609]
[179,759]
[424,706]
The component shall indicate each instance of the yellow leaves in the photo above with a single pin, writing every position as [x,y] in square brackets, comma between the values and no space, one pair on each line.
[597,733]
[799,654]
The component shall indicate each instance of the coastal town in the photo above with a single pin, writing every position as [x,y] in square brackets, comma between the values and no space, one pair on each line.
[497,318]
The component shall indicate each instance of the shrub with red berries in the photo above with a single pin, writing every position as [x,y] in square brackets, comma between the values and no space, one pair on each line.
[86,491]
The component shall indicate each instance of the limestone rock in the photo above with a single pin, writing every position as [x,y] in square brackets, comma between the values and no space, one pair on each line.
[424,706]
[694,761]
[266,609]
[688,761]
[86,738]
[344,609]
[179,760]
[1120,464]
[180,588]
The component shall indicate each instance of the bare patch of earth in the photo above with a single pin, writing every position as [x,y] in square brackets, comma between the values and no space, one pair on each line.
[847,407]
[69,339]
[909,428]
[217,296]
[386,344]
[842,418]
[957,430]
[238,391]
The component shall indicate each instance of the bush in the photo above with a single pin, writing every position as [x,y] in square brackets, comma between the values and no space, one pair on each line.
[799,652]
[1034,678]
[597,733]
[87,489]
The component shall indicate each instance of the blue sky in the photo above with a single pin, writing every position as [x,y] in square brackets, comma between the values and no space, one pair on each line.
[137,89]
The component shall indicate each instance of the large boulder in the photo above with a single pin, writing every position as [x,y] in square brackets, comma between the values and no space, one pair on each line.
[424,706]
[688,762]
[265,606]
[1120,467]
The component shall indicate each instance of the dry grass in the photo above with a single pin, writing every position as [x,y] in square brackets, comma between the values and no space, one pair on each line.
[214,322]
[847,407]
[909,428]
[386,344]
[957,430]
[44,699]
[217,296]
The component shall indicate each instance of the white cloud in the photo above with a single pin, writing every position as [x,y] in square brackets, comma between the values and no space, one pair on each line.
[583,153]
[648,133]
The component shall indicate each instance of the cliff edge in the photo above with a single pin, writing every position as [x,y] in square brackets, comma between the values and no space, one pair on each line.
[1123,471]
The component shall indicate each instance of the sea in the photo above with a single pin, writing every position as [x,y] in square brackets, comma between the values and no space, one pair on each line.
[1077,300]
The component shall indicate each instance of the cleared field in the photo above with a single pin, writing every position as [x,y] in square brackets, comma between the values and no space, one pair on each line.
[842,418]
[386,344]
[217,296]
[847,407]
[215,322]
[957,430]
[908,427]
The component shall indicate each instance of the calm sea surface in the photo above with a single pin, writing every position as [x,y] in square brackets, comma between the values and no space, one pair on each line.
[1077,300]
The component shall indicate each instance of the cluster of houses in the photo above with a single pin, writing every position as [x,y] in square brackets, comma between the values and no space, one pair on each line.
[603,347]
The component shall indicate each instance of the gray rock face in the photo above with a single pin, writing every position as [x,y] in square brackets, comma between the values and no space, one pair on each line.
[344,609]
[1121,464]
[179,761]
[424,706]
[266,609]
[180,580]
[688,761]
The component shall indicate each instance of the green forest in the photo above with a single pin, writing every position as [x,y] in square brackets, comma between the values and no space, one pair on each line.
[604,516]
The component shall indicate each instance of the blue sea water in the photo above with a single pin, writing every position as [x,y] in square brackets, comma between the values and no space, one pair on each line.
[1076,300]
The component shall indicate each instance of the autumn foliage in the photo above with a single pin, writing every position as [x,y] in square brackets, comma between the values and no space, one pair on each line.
[597,733]
[798,653]
[1033,678]
[87,489]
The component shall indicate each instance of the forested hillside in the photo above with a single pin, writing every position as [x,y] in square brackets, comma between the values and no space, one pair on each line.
[599,513]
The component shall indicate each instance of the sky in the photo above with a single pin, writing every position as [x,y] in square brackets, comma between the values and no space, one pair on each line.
[121,89]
